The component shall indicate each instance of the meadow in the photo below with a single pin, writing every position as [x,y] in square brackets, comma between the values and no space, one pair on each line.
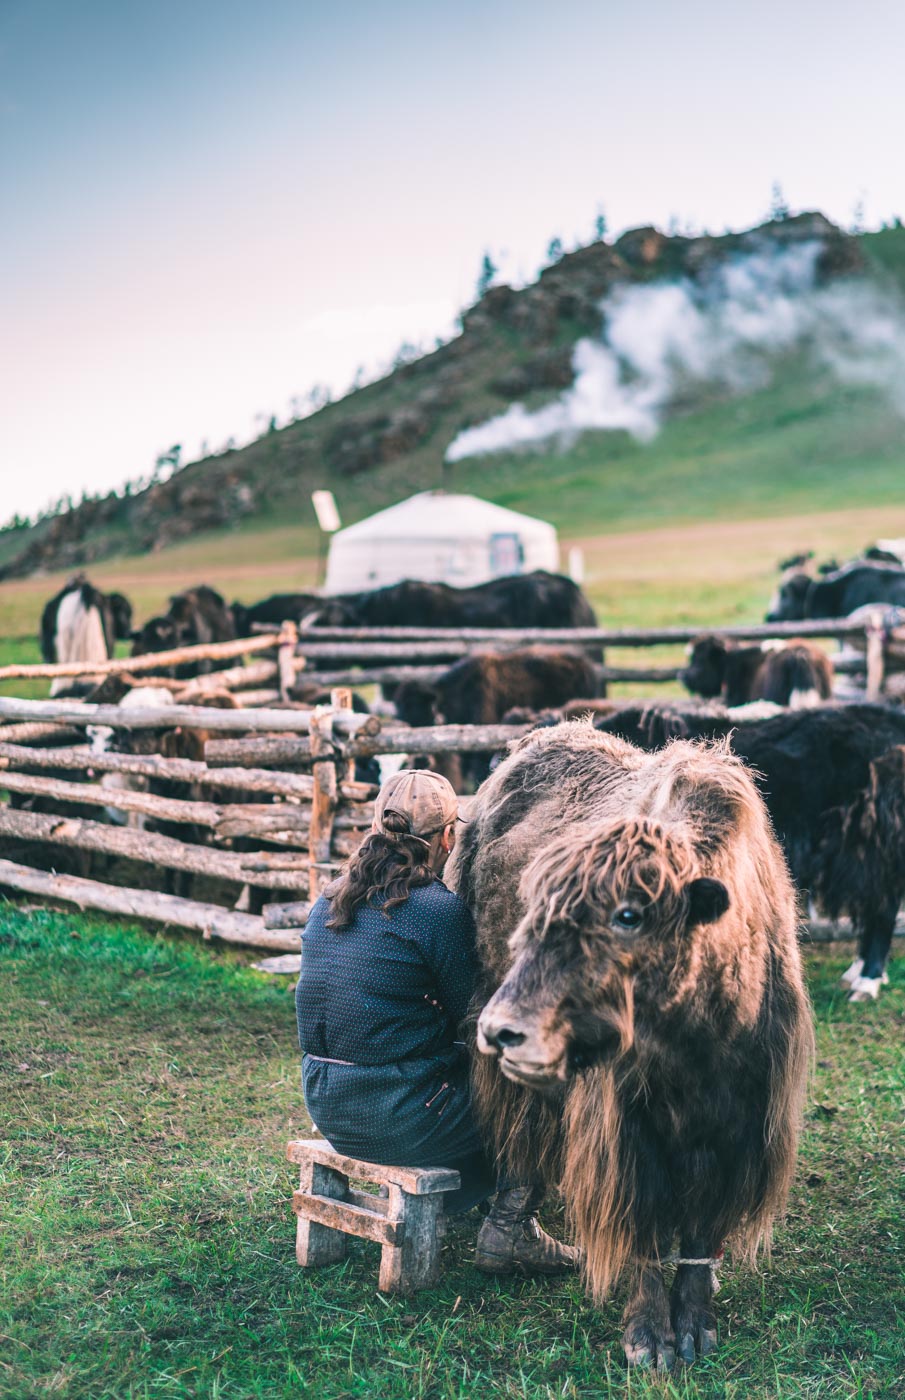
[149,1084]
[706,572]
[148,1089]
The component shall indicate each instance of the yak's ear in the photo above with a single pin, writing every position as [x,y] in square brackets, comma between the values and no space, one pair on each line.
[708,901]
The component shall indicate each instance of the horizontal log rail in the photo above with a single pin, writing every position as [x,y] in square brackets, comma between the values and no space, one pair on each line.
[148,804]
[603,636]
[441,738]
[150,906]
[74,712]
[134,665]
[292,915]
[389,650]
[392,739]
[264,753]
[149,847]
[37,733]
[263,820]
[183,770]
[238,678]
[429,674]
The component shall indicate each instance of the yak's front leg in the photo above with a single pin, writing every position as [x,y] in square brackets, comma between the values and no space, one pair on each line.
[868,972]
[691,1301]
[648,1338]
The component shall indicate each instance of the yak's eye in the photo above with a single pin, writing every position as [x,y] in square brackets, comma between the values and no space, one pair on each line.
[626,917]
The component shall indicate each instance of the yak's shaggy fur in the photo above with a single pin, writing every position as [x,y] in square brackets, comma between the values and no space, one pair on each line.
[677,1053]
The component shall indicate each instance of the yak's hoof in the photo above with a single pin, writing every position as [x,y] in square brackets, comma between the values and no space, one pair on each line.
[645,1345]
[851,978]
[689,1348]
[865,989]
[695,1333]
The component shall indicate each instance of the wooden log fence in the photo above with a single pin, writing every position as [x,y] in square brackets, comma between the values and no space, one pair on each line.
[389,655]
[184,770]
[151,848]
[564,636]
[149,906]
[80,713]
[279,777]
[302,824]
[135,665]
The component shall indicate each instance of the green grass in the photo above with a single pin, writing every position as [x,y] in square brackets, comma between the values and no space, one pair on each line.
[148,1089]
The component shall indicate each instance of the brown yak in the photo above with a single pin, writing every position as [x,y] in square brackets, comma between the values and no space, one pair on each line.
[646,1030]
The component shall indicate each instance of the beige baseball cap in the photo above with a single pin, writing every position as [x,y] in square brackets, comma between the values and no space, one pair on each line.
[425,797]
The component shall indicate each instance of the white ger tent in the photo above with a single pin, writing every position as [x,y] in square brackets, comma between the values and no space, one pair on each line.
[440,538]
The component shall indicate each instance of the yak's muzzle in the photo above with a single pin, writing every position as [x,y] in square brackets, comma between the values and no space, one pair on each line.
[529,1051]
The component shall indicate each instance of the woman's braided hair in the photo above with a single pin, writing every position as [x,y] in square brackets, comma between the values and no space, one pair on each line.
[384,870]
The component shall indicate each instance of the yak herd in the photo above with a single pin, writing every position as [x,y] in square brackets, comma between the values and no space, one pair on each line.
[638,874]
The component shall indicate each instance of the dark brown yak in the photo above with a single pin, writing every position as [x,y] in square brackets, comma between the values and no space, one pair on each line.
[648,1038]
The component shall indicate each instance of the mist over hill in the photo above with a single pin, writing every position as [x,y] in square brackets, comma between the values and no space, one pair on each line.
[632,380]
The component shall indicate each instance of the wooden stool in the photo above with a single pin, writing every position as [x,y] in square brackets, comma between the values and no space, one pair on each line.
[408,1222]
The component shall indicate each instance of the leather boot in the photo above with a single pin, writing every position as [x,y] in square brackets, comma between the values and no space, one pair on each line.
[511,1241]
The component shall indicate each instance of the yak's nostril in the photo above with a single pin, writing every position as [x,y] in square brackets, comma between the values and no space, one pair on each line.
[506,1037]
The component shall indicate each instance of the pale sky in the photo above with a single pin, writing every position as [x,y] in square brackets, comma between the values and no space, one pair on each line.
[209,205]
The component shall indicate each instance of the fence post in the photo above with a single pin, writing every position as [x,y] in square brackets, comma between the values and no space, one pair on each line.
[288,641]
[323,803]
[341,701]
[876,657]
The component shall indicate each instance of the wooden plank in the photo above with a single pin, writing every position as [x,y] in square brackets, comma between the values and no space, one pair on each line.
[442,738]
[208,651]
[286,659]
[258,753]
[283,965]
[389,650]
[365,1199]
[324,801]
[376,675]
[347,1218]
[257,820]
[281,753]
[429,673]
[316,1243]
[341,700]
[876,660]
[37,733]
[415,1262]
[147,905]
[149,847]
[418,1181]
[94,795]
[183,770]
[81,759]
[170,717]
[239,678]
[244,819]
[448,738]
[291,915]
[570,636]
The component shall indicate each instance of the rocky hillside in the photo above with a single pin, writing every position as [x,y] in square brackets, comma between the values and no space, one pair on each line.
[390,438]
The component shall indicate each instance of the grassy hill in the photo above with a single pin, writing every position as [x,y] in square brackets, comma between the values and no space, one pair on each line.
[802,442]
[687,528]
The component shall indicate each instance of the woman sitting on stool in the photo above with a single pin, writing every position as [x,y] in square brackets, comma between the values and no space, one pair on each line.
[388,971]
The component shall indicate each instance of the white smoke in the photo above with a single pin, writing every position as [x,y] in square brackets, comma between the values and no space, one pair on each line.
[723,330]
